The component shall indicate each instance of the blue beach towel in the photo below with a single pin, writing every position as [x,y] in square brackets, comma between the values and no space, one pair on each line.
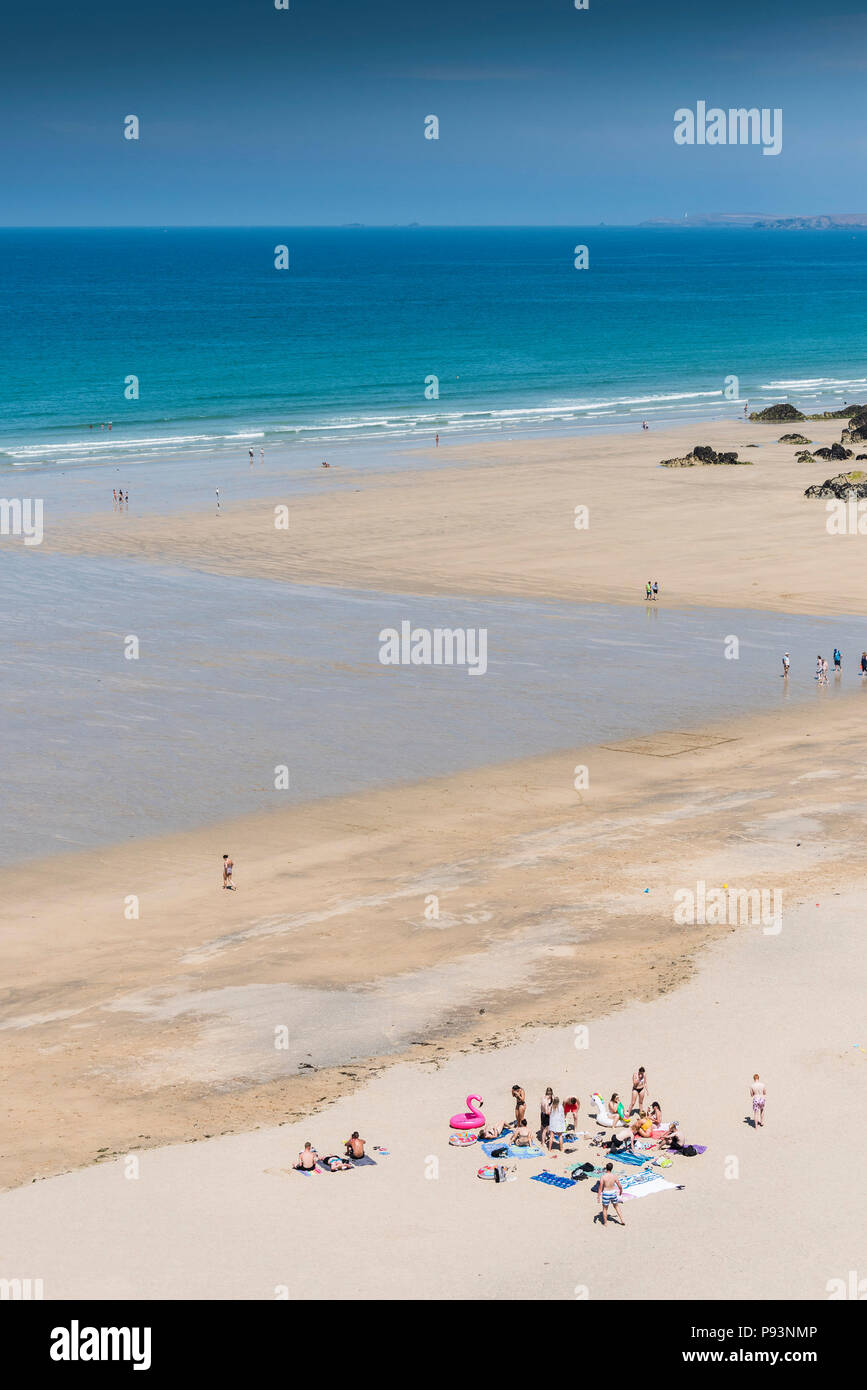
[514,1152]
[636,1160]
[552,1179]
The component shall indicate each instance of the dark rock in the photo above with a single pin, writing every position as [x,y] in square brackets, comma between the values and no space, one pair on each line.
[836,452]
[782,412]
[804,457]
[845,413]
[841,486]
[701,455]
[792,439]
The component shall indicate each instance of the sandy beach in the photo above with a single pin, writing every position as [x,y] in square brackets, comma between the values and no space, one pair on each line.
[387,952]
[499,519]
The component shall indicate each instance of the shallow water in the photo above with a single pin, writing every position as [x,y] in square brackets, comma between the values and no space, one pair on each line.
[237,677]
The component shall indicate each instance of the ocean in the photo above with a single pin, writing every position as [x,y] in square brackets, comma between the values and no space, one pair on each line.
[340,349]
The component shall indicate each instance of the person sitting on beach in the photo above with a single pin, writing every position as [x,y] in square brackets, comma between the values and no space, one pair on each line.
[641,1125]
[307,1158]
[615,1108]
[523,1137]
[355,1146]
[520,1099]
[660,1129]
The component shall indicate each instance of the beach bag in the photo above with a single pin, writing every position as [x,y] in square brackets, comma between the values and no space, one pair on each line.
[499,1173]
[501,1152]
[690,1151]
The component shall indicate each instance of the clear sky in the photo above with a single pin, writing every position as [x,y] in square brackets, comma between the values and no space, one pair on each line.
[315,115]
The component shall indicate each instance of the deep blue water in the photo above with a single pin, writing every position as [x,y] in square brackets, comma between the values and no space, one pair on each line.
[230,351]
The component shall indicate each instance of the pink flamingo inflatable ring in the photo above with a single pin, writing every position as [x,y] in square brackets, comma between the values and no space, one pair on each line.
[473,1119]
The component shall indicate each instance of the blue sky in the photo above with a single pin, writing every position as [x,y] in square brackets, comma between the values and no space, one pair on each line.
[315,115]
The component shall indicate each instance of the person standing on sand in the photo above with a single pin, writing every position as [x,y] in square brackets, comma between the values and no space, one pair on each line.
[520,1099]
[228,866]
[436,441]
[655,589]
[786,664]
[757,1091]
[824,671]
[545,1117]
[557,1125]
[251,458]
[610,1194]
[838,660]
[864,663]
[639,1090]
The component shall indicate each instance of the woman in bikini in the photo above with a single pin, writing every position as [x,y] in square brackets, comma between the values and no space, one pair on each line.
[639,1088]
[520,1100]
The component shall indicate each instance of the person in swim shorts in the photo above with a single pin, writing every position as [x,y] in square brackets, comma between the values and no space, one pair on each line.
[307,1158]
[610,1194]
[228,866]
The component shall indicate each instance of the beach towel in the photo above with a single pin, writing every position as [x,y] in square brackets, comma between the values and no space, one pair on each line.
[647,1189]
[366,1162]
[552,1179]
[637,1160]
[514,1152]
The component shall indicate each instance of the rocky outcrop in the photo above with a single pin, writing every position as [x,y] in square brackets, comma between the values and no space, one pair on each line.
[836,452]
[782,412]
[857,431]
[841,486]
[702,455]
[844,413]
[804,457]
[792,439]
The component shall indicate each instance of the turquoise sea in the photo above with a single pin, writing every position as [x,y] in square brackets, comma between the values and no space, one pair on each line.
[231,353]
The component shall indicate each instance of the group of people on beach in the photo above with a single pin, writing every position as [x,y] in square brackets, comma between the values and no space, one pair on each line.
[651,590]
[822,666]
[353,1151]
[120,497]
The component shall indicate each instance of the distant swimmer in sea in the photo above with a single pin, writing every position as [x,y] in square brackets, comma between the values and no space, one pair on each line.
[786,664]
[325,465]
[251,458]
[644,425]
[217,490]
[437,440]
[228,866]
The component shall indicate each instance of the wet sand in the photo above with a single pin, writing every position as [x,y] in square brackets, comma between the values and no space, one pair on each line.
[123,1033]
[499,518]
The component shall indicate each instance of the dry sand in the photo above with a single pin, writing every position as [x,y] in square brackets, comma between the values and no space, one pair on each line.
[773,1213]
[500,519]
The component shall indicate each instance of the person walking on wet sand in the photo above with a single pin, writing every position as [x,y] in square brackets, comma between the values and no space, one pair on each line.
[655,589]
[648,591]
[786,664]
[228,866]
[610,1194]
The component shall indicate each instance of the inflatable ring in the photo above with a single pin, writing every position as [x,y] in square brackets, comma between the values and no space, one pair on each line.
[463,1140]
[486,1172]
